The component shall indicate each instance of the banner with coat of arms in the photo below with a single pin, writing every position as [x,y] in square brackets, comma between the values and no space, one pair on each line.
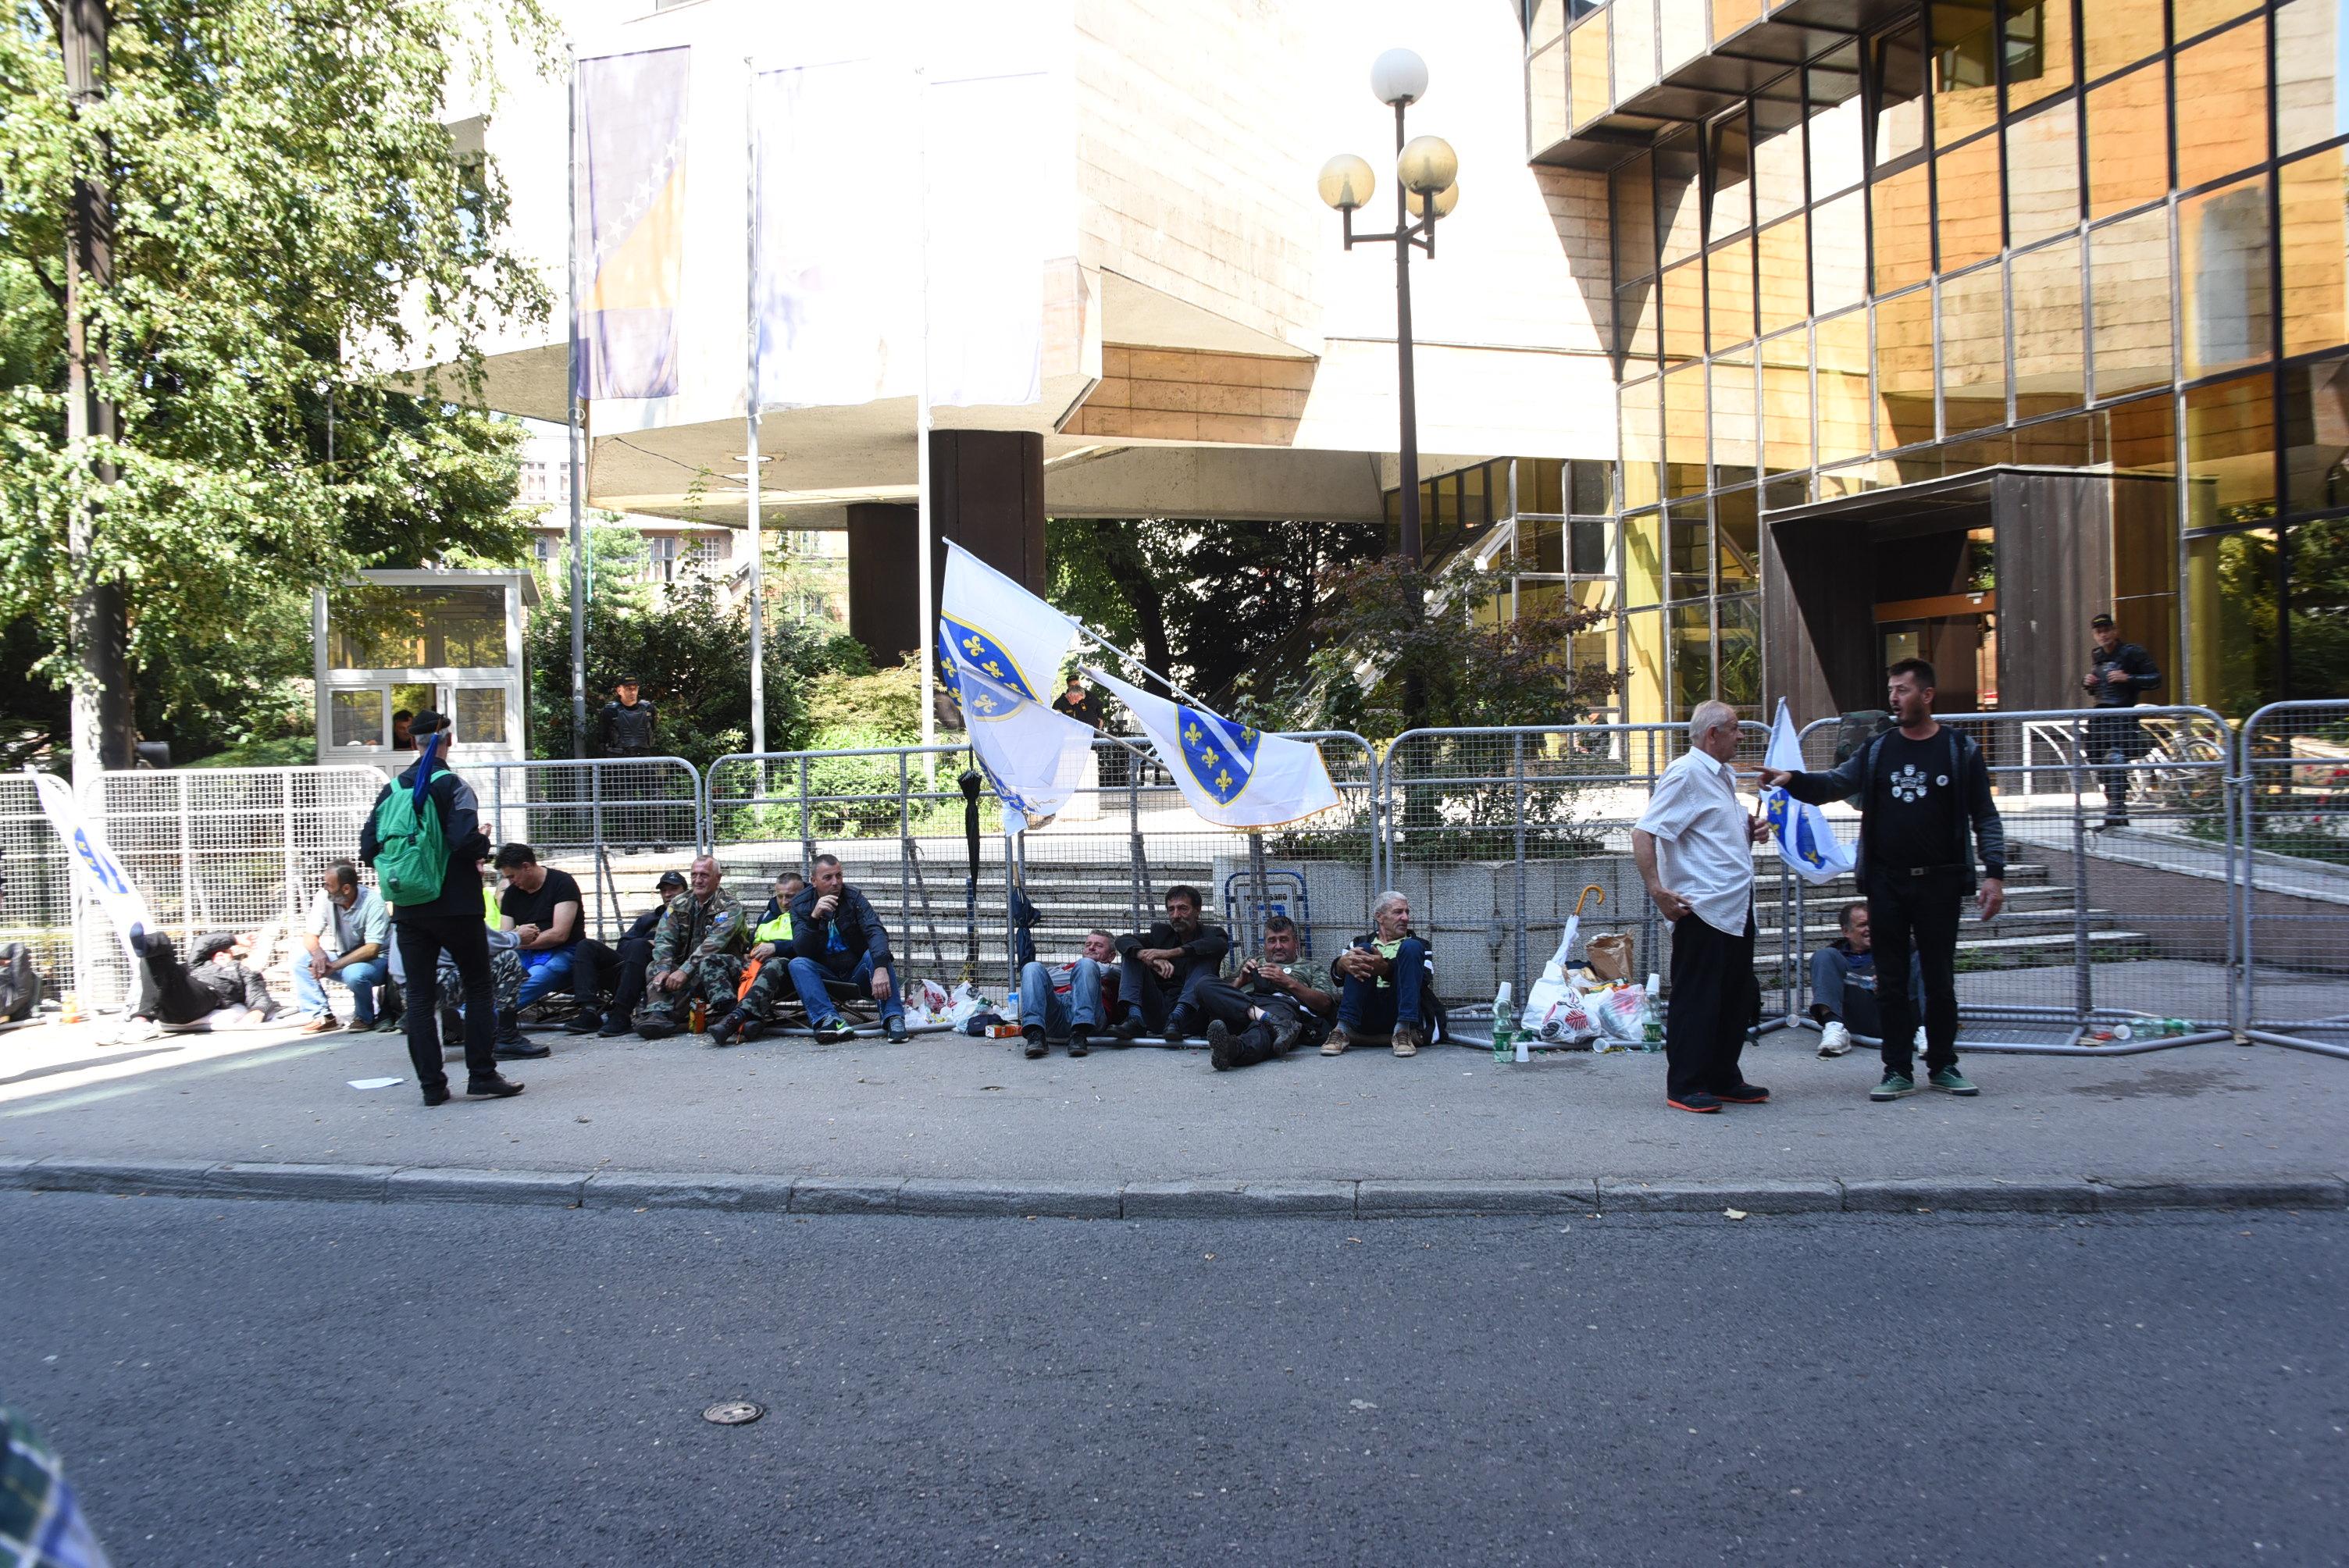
[1232,774]
[999,647]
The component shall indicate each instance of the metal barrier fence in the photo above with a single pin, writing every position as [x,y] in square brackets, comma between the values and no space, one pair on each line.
[2107,924]
[219,849]
[36,884]
[1495,832]
[614,823]
[2291,889]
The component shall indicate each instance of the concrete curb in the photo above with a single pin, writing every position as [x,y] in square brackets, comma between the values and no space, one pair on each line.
[1365,1199]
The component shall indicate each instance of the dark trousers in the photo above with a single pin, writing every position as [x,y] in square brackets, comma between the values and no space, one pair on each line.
[177,999]
[1916,912]
[621,971]
[1713,996]
[1152,999]
[2115,739]
[423,939]
[1222,1000]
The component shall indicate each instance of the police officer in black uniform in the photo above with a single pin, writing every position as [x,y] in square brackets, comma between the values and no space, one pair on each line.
[627,724]
[2118,674]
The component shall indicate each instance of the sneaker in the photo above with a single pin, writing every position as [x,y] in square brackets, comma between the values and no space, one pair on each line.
[1700,1102]
[494,1087]
[1336,1043]
[1895,1085]
[1219,1045]
[1743,1094]
[893,1031]
[1950,1081]
[1035,1046]
[834,1029]
[1835,1040]
[1407,1038]
[1080,1042]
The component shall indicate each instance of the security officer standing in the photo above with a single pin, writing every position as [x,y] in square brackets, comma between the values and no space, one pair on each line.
[2119,674]
[627,724]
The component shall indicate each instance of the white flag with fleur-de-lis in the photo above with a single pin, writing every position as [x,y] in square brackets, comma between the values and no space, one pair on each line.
[999,650]
[1232,775]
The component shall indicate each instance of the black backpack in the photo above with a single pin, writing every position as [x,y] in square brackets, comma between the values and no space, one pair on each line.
[20,982]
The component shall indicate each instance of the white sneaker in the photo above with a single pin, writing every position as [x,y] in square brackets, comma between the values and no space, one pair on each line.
[1835,1040]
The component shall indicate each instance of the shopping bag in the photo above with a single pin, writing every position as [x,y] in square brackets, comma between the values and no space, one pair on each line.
[1609,957]
[1546,996]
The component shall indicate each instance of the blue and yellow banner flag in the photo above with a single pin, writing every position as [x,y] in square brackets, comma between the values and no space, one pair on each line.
[1806,841]
[631,238]
[999,649]
[1233,774]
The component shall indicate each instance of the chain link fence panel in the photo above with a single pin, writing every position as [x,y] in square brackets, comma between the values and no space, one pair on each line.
[614,823]
[36,886]
[2292,890]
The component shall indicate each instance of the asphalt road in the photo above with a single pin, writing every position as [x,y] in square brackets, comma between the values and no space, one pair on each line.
[313,1383]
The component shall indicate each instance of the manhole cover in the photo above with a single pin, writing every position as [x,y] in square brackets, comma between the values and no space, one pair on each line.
[733,1413]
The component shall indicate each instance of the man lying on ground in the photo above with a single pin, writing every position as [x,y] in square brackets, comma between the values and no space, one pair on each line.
[1275,1004]
[217,980]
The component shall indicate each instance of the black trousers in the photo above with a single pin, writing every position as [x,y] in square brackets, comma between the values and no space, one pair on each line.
[2116,740]
[599,968]
[1714,995]
[423,939]
[177,999]
[1915,911]
[1221,999]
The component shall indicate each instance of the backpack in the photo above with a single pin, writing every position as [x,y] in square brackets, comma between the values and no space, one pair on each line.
[411,856]
[20,982]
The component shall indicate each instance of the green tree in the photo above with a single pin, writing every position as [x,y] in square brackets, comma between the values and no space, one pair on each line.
[290,217]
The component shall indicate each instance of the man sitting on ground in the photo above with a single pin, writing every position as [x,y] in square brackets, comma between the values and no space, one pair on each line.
[1383,982]
[1164,967]
[541,907]
[771,947]
[1842,983]
[618,969]
[343,940]
[219,982]
[837,936]
[1073,999]
[697,952]
[1275,1004]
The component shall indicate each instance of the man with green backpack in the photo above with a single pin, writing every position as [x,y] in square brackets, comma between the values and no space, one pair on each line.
[425,842]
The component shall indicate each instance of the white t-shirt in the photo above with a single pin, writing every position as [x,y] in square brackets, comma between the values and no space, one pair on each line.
[1701,850]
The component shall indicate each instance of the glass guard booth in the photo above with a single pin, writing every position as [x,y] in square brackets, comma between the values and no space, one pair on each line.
[390,644]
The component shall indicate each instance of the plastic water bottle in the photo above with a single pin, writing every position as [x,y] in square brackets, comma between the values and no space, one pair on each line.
[1505,1025]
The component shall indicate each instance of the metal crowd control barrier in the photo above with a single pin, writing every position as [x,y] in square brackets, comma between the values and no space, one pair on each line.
[1494,833]
[2105,924]
[219,849]
[36,897]
[614,823]
[2291,888]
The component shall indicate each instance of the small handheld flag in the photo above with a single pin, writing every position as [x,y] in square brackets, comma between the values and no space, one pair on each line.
[1806,843]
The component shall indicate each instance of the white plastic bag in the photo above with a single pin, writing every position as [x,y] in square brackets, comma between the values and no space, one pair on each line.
[1623,1015]
[961,1005]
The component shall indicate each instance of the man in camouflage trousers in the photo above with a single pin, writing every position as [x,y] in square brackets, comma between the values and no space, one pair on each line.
[697,952]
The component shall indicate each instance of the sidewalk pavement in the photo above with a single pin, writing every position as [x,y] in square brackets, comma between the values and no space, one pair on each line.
[949,1124]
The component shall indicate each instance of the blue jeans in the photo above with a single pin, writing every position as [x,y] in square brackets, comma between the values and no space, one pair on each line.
[362,979]
[1367,1007]
[807,977]
[1849,998]
[544,970]
[1152,998]
[1042,1007]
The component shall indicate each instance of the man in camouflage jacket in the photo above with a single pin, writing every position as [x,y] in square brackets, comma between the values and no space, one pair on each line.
[697,952]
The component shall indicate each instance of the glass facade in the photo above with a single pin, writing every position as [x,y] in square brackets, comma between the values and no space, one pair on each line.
[2106,236]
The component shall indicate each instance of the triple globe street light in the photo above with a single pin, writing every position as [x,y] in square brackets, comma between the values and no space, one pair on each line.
[1426,188]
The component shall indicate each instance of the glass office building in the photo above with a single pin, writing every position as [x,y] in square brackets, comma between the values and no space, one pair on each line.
[1941,327]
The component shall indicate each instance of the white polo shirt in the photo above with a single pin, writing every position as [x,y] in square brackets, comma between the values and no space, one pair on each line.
[1701,850]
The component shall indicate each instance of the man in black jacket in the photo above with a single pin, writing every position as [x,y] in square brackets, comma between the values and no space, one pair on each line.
[627,724]
[2120,675]
[1166,967]
[836,936]
[450,922]
[1925,807]
[618,969]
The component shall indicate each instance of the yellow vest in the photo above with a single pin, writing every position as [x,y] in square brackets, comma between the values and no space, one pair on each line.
[777,931]
[489,910]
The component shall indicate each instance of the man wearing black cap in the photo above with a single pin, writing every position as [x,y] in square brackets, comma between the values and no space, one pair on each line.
[619,970]
[2119,673]
[627,724]
[451,922]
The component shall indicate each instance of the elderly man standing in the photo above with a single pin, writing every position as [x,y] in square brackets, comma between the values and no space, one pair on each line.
[1701,832]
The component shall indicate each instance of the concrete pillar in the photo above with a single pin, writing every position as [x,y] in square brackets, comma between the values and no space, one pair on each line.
[986,495]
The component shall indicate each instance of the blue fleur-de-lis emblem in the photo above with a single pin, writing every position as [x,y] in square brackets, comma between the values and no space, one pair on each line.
[949,668]
[987,680]
[1219,753]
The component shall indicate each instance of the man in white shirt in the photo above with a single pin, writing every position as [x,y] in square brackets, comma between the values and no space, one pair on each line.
[343,941]
[1705,885]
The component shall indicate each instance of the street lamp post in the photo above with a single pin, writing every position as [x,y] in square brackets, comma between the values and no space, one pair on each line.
[1425,188]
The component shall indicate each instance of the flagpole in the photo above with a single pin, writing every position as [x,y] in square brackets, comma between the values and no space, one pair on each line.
[571,428]
[1125,658]
[752,460]
[922,547]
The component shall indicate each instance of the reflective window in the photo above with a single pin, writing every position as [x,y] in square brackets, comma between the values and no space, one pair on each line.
[2042,176]
[2222,251]
[1690,538]
[1635,45]
[1678,192]
[1904,368]
[2144,436]
[2119,32]
[1737,540]
[1735,413]
[2225,79]
[2316,439]
[481,715]
[1643,442]
[1786,402]
[1835,125]
[355,717]
[1691,630]
[1729,285]
[2312,73]
[1643,559]
[1638,308]
[1967,204]
[2317,630]
[1740,657]
[1973,351]
[2128,142]
[2313,242]
[2050,365]
[1684,431]
[1643,674]
[1587,67]
[1839,252]
[2130,294]
[2038,50]
[1684,312]
[1729,207]
[1785,274]
[2230,452]
[1846,427]
[2231,592]
[1899,123]
[383,627]
[1965,70]
[1631,195]
[2193,17]
[1729,15]
[1778,149]
[1546,97]
[1899,219]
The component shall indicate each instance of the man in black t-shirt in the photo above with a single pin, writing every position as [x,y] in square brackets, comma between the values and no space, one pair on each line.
[541,906]
[1078,702]
[1925,809]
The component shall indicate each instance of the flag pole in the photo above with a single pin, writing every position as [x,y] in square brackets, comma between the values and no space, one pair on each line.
[571,428]
[922,547]
[752,460]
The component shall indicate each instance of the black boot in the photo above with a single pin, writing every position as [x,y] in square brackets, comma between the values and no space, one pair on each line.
[1079,1040]
[1034,1035]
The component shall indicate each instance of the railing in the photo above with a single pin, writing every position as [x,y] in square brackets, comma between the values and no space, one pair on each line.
[2291,888]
